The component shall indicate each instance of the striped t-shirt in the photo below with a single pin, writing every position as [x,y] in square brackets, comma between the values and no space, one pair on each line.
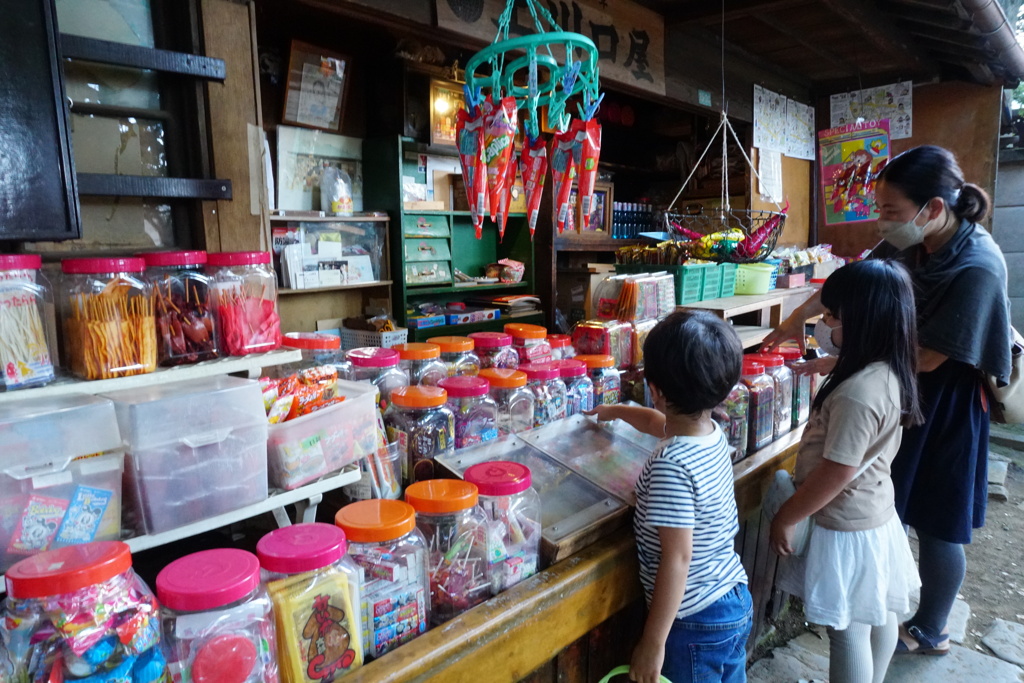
[687,483]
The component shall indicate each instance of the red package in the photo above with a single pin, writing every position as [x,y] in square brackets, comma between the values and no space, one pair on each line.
[534,168]
[586,152]
[470,134]
[505,200]
[500,122]
[563,170]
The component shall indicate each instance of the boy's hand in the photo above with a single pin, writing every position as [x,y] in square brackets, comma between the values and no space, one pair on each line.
[645,666]
[604,413]
[781,536]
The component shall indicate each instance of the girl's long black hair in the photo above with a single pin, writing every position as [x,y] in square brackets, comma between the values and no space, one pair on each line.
[874,301]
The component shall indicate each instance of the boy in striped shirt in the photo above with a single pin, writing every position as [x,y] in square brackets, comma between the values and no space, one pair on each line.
[699,609]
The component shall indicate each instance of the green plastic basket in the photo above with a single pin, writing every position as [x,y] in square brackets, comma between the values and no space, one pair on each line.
[712,282]
[689,277]
[728,287]
[624,671]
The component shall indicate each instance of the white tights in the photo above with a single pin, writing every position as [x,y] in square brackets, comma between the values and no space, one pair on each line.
[861,653]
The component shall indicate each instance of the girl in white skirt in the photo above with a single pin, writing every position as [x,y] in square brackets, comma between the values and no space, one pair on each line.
[858,571]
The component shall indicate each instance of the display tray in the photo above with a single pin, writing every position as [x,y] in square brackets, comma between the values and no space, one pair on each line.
[574,511]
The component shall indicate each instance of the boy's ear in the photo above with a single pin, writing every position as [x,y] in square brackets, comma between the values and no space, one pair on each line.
[655,391]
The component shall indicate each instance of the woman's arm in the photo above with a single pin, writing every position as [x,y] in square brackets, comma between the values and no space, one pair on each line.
[823,484]
[647,420]
[669,588]
[793,326]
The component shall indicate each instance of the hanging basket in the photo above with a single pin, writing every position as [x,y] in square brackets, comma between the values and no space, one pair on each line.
[727,235]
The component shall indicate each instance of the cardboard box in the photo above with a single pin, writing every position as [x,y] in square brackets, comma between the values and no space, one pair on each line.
[422,322]
[473,315]
[790,281]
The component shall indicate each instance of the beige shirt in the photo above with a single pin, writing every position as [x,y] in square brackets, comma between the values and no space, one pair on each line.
[858,420]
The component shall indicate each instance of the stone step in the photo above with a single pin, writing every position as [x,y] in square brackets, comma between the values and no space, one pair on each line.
[961,665]
[1006,640]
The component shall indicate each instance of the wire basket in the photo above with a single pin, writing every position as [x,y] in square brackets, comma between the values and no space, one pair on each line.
[714,234]
[357,339]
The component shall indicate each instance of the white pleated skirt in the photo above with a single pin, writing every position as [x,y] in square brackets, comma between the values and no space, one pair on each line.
[853,576]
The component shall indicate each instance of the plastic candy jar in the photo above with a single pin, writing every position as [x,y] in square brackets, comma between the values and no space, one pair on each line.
[495,350]
[803,385]
[422,362]
[561,346]
[457,352]
[392,555]
[760,407]
[456,532]
[423,426]
[550,396]
[245,298]
[515,401]
[314,587]
[80,612]
[606,379]
[26,359]
[109,329]
[513,515]
[379,367]
[775,367]
[185,324]
[530,342]
[578,385]
[318,349]
[218,623]
[731,416]
[476,413]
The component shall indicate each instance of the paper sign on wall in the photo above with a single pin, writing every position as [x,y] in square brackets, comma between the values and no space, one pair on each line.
[894,102]
[799,130]
[852,156]
[769,120]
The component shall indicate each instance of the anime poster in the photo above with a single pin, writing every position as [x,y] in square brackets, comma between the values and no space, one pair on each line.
[852,156]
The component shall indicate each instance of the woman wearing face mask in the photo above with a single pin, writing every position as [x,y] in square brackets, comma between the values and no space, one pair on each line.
[928,220]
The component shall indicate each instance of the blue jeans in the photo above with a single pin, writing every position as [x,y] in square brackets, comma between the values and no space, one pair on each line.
[711,645]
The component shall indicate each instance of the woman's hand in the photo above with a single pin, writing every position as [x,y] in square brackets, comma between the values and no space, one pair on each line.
[780,538]
[791,329]
[818,366]
[648,657]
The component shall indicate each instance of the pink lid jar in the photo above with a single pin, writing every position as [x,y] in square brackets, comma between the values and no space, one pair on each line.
[380,367]
[217,619]
[308,574]
[26,359]
[245,297]
[476,413]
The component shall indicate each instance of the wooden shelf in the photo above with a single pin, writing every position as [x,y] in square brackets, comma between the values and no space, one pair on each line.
[376,217]
[414,290]
[729,306]
[335,288]
[751,335]
[594,244]
[446,212]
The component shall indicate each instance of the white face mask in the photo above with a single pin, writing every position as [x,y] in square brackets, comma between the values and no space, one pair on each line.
[823,335]
[903,235]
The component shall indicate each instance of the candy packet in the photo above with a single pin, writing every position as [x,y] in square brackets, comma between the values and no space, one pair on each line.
[586,152]
[563,170]
[500,122]
[470,136]
[533,165]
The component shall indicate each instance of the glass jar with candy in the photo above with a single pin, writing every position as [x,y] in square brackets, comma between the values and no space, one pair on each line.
[803,384]
[607,380]
[495,350]
[760,406]
[550,396]
[26,332]
[515,402]
[245,299]
[476,413]
[458,354]
[530,342]
[561,346]
[731,415]
[419,420]
[185,323]
[379,367]
[578,386]
[775,367]
[422,362]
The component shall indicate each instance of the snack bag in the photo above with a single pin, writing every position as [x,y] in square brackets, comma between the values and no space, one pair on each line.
[500,122]
[505,200]
[470,135]
[534,167]
[563,170]
[586,152]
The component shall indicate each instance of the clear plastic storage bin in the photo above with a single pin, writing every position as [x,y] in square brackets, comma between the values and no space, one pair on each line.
[325,441]
[379,366]
[731,416]
[217,620]
[61,461]
[456,532]
[245,296]
[422,362]
[26,306]
[761,405]
[607,380]
[495,350]
[81,613]
[513,515]
[578,386]
[196,449]
[475,411]
[515,402]
[392,554]
[458,354]
[549,393]
[109,328]
[423,426]
[315,588]
[530,342]
[318,349]
[185,322]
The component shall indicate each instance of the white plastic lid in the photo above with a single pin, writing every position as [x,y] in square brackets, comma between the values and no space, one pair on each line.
[41,431]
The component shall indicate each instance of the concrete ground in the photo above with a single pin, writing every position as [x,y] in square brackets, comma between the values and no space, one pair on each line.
[985,648]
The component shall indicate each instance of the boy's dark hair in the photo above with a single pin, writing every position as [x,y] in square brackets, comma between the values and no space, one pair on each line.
[874,301]
[694,358]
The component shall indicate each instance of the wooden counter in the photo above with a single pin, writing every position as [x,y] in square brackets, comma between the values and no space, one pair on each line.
[537,631]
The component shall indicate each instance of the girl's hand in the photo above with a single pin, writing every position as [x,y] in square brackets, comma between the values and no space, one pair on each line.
[645,667]
[818,366]
[780,538]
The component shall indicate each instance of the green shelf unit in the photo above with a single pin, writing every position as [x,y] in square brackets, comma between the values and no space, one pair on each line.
[418,335]
[385,161]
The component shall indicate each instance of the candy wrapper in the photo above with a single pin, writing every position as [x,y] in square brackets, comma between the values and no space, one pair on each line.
[500,122]
[533,165]
[586,152]
[470,134]
[563,170]
[505,200]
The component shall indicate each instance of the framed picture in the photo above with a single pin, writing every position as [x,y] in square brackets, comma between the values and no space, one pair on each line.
[600,211]
[317,84]
[446,98]
[301,155]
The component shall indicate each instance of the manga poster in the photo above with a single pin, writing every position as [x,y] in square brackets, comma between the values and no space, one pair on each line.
[852,156]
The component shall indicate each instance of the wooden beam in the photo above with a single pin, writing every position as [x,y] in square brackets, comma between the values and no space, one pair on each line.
[940,20]
[711,13]
[122,54]
[110,185]
[799,38]
[876,26]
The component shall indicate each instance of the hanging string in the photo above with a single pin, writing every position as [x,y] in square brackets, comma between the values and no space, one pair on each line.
[723,56]
[749,162]
[696,165]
